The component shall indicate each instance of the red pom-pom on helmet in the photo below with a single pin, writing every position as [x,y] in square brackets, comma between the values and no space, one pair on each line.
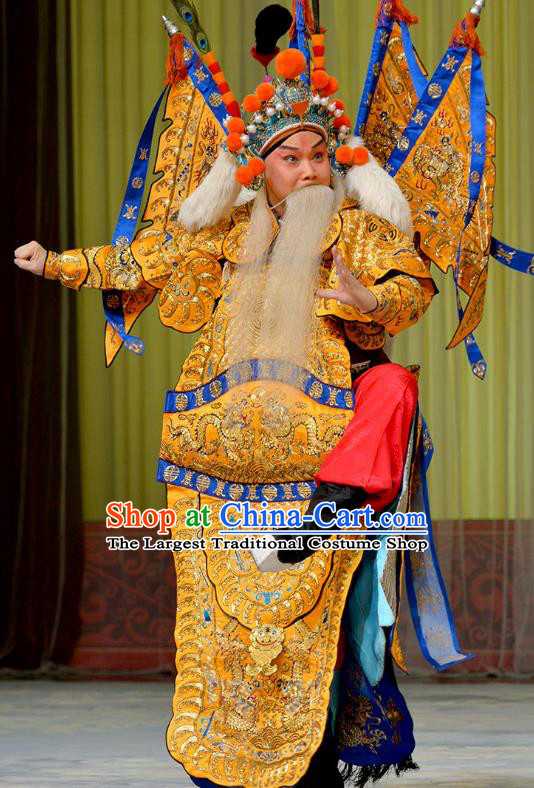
[265,91]
[244,175]
[332,86]
[251,103]
[360,155]
[344,154]
[256,165]
[290,63]
[344,120]
[319,78]
[236,125]
[233,142]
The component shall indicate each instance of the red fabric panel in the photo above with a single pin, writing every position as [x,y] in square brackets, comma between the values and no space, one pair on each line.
[341,647]
[372,451]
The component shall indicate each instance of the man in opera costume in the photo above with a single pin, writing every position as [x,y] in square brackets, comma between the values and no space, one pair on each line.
[294,259]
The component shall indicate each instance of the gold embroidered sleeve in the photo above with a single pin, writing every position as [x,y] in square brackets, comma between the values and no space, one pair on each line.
[188,298]
[101,267]
[187,301]
[70,268]
[382,258]
[402,301]
[152,258]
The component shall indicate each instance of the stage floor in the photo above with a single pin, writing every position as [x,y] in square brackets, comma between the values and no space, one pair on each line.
[74,734]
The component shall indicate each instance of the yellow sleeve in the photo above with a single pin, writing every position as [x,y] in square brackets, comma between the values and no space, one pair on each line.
[101,267]
[402,301]
[184,267]
[386,262]
[189,294]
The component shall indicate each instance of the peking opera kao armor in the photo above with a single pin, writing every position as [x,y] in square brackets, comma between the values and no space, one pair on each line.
[280,661]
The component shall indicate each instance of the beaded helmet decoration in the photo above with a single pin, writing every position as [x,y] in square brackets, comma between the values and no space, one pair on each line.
[300,96]
[293,101]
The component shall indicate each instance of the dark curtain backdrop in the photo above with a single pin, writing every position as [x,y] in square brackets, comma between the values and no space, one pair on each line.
[41,556]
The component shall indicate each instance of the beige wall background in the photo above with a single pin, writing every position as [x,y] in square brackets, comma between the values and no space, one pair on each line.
[483,431]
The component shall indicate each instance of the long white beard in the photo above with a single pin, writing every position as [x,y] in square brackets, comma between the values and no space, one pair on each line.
[272,308]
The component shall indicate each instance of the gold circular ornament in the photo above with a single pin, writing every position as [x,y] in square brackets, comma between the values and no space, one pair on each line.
[170,474]
[236,491]
[203,482]
[316,389]
[215,99]
[270,492]
[215,388]
[113,301]
[435,90]
[304,489]
[180,402]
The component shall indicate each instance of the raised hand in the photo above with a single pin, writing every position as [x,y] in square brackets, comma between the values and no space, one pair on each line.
[349,290]
[31,257]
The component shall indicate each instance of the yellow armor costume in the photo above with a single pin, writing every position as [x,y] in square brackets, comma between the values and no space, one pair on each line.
[255,651]
[187,269]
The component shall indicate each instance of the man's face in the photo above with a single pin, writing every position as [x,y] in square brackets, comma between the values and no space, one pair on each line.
[299,161]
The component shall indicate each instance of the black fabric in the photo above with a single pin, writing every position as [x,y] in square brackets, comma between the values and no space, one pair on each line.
[344,496]
[272,23]
[360,776]
[41,556]
[360,356]
[323,770]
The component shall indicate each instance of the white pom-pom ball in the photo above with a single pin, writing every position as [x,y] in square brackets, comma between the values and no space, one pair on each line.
[316,100]
[258,118]
[245,139]
[251,128]
[338,113]
[324,102]
[279,107]
[270,111]
[332,106]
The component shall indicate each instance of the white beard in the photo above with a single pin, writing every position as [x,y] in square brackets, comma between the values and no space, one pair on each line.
[272,308]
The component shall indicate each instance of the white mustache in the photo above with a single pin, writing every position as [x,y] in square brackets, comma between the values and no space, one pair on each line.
[272,290]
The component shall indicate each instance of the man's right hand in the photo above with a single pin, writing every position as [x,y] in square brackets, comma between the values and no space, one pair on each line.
[31,257]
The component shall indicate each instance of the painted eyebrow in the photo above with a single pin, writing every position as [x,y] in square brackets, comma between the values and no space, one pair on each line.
[290,147]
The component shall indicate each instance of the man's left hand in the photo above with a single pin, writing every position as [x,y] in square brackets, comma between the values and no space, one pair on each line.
[350,290]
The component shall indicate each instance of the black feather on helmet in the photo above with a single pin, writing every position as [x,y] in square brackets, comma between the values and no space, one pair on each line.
[271,24]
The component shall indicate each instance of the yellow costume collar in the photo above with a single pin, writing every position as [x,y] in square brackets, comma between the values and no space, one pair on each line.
[241,217]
